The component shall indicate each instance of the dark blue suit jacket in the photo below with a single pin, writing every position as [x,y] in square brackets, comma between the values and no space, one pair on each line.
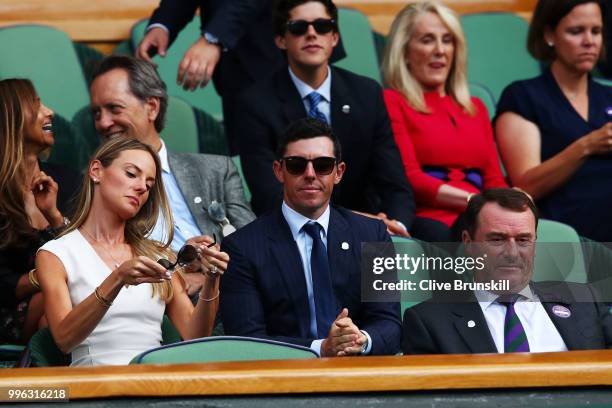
[441,328]
[374,180]
[263,291]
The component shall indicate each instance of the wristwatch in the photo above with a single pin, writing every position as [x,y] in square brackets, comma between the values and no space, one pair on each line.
[365,345]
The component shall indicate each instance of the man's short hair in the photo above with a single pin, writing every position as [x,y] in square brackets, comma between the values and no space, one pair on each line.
[282,8]
[143,80]
[307,128]
[508,198]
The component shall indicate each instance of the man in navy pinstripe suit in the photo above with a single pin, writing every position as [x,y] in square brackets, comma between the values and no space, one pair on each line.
[287,283]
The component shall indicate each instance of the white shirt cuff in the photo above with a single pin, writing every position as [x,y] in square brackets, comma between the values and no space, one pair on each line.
[160,25]
[369,348]
[316,346]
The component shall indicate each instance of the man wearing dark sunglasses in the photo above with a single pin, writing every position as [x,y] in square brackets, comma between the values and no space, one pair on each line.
[307,32]
[294,273]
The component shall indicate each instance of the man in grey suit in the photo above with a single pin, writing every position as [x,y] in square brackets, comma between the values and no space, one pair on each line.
[129,98]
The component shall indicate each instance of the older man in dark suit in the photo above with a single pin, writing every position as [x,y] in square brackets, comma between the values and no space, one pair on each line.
[521,316]
[307,31]
[294,274]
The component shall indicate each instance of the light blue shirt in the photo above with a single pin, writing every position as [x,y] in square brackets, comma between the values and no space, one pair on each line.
[185,226]
[324,90]
[303,241]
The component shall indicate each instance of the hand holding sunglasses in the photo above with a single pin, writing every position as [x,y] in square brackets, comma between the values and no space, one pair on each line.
[296,165]
[186,255]
[320,25]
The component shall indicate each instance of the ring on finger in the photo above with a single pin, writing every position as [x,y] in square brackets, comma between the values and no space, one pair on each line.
[214,270]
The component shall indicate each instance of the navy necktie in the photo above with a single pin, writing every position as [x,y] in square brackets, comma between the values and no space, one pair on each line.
[321,281]
[515,338]
[314,98]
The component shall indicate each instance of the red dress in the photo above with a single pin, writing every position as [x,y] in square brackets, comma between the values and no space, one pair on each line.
[448,143]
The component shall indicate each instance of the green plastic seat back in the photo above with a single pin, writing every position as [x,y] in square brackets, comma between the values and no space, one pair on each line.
[497,50]
[358,42]
[224,348]
[47,57]
[413,249]
[181,132]
[559,254]
[603,81]
[484,94]
[10,354]
[45,353]
[211,134]
[205,99]
[245,186]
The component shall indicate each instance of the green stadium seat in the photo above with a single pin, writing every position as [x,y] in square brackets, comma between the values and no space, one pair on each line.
[205,99]
[358,41]
[10,354]
[181,132]
[559,254]
[223,348]
[245,186]
[414,249]
[44,352]
[497,50]
[211,134]
[603,81]
[47,57]
[484,94]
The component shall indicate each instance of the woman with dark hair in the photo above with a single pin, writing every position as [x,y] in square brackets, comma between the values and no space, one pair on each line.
[554,131]
[444,135]
[105,294]
[32,207]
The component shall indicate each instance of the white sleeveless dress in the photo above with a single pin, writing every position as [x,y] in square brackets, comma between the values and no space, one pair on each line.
[129,327]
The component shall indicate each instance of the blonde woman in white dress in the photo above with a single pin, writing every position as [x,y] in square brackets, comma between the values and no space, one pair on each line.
[105,294]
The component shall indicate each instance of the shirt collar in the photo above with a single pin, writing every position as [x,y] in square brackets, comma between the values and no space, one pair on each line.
[296,220]
[486,298]
[163,157]
[304,89]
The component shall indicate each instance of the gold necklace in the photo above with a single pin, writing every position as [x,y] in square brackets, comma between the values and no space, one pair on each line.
[117,263]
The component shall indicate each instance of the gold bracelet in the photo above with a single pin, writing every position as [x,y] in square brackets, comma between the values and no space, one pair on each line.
[105,302]
[32,279]
[212,298]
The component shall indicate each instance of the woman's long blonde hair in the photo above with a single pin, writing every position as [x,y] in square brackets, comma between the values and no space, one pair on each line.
[140,226]
[396,74]
[18,102]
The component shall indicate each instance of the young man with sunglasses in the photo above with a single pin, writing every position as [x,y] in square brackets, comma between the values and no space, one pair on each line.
[307,32]
[294,274]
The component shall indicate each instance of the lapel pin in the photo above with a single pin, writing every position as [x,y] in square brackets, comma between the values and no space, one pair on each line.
[561,311]
[609,111]
[471,324]
[346,109]
[345,245]
[197,200]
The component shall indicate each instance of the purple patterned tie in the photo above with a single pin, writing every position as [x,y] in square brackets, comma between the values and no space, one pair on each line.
[515,339]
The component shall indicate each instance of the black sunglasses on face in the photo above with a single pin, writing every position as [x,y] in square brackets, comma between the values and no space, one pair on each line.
[321,26]
[296,165]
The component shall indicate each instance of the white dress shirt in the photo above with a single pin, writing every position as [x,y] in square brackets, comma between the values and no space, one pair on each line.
[324,90]
[185,226]
[542,334]
[304,243]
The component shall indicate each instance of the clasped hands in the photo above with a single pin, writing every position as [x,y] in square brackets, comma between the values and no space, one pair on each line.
[344,338]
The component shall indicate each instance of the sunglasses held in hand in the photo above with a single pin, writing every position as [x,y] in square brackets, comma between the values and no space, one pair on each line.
[321,26]
[296,165]
[186,255]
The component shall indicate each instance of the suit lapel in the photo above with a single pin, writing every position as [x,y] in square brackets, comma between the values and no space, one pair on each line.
[287,256]
[570,328]
[478,337]
[340,259]
[191,187]
[291,102]
[341,119]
